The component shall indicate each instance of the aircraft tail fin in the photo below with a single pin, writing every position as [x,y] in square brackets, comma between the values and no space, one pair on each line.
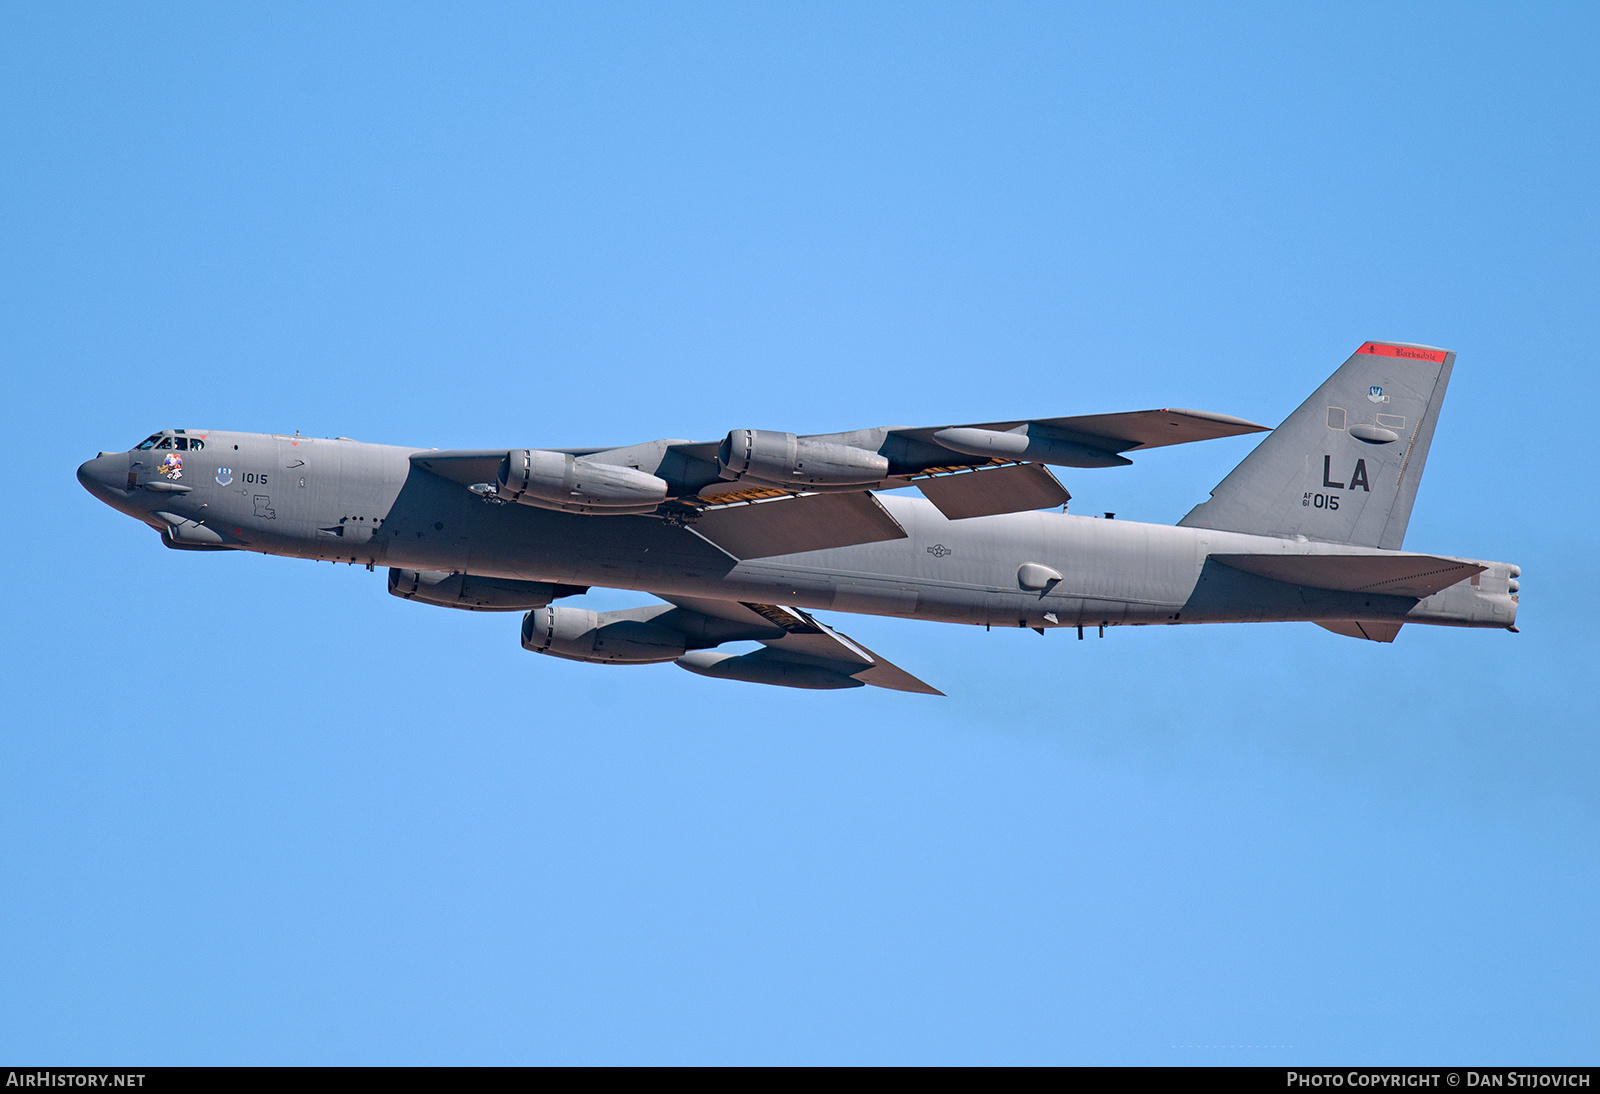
[1344,467]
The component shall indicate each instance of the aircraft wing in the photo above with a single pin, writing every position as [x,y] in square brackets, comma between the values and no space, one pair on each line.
[466,466]
[986,468]
[797,644]
[759,493]
[1117,433]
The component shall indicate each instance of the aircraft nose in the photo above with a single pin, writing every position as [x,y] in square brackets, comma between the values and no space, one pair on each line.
[106,475]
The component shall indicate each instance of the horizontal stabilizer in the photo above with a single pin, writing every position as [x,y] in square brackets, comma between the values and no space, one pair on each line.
[1391,575]
[1015,488]
[1362,628]
[796,523]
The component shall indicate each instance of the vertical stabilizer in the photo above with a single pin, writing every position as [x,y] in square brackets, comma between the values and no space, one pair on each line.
[1344,467]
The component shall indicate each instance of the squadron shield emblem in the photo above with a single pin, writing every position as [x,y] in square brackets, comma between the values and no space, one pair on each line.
[224,476]
[1375,394]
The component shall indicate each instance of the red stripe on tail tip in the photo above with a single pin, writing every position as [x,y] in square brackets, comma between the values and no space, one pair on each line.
[1379,349]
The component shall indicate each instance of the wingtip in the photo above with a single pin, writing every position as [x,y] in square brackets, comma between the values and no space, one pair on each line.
[924,690]
[910,684]
[1243,425]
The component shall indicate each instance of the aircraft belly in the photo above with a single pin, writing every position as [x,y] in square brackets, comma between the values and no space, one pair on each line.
[875,597]
[525,543]
[966,571]
[960,572]
[956,571]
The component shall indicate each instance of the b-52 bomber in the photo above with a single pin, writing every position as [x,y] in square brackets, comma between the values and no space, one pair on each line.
[742,538]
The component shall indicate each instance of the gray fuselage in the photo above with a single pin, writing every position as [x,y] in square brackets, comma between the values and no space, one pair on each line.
[346,501]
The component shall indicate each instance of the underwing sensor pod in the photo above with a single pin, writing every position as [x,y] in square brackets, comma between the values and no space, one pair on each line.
[784,459]
[559,480]
[747,538]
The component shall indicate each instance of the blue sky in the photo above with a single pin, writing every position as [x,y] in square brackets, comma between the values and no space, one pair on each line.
[255,810]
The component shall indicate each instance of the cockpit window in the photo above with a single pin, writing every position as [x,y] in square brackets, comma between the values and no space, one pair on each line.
[167,440]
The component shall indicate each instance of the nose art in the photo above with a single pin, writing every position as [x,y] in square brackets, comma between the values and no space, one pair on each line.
[105,475]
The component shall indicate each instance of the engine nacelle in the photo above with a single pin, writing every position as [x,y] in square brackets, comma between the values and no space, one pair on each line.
[581,635]
[786,460]
[558,480]
[474,594]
